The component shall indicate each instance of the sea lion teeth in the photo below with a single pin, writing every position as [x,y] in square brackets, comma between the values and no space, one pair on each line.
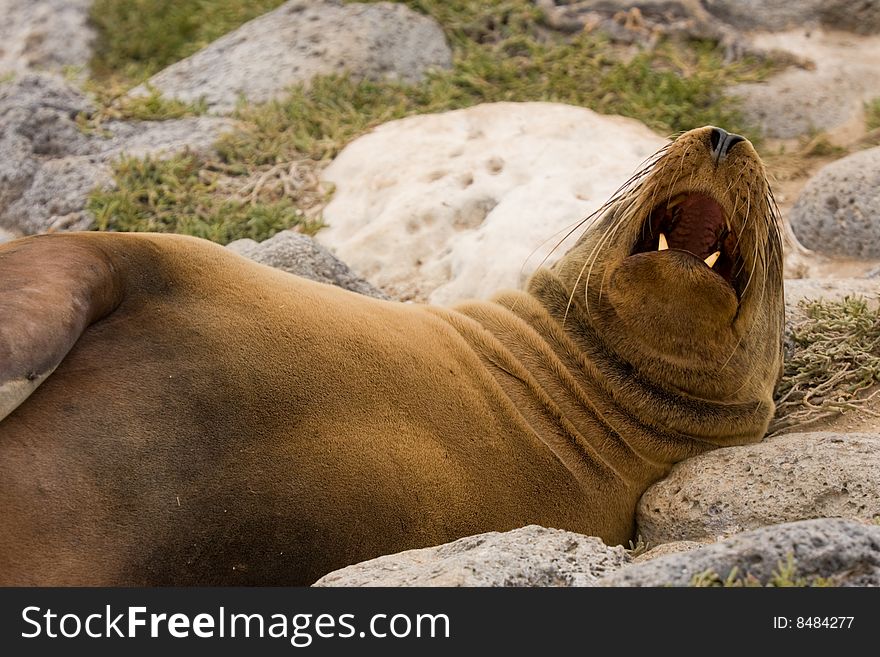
[675,201]
[663,245]
[712,259]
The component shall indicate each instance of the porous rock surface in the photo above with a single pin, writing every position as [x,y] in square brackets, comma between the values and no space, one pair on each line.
[299,254]
[44,35]
[790,477]
[50,163]
[530,556]
[302,39]
[460,204]
[841,552]
[838,212]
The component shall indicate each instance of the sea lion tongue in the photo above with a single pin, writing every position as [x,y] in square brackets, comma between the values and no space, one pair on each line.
[695,225]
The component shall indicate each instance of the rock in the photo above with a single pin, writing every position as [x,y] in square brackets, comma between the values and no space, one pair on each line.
[676,547]
[771,15]
[645,22]
[861,17]
[531,556]
[790,477]
[827,97]
[776,15]
[56,196]
[50,165]
[838,211]
[845,551]
[196,134]
[464,203]
[298,254]
[49,35]
[302,39]
[6,236]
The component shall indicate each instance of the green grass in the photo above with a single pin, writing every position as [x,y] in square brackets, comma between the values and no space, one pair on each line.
[784,575]
[500,54]
[113,105]
[637,549]
[835,361]
[872,114]
[175,196]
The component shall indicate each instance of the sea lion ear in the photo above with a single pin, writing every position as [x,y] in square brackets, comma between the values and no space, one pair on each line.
[50,291]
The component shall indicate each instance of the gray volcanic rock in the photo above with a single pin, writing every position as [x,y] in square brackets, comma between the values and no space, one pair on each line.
[862,17]
[797,102]
[782,479]
[530,556]
[773,15]
[299,254]
[302,39]
[838,212]
[665,549]
[48,35]
[50,165]
[837,75]
[845,551]
[722,20]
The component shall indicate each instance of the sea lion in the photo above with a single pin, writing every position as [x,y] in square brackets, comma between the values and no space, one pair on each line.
[178,415]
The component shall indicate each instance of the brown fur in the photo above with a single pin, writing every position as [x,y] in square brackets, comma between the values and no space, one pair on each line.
[220,422]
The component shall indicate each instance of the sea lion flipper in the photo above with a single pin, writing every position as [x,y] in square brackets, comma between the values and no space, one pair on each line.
[50,291]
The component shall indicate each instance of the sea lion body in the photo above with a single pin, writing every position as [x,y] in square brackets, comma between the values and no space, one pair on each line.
[219,422]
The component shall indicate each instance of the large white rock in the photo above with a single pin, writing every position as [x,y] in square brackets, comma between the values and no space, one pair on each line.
[460,204]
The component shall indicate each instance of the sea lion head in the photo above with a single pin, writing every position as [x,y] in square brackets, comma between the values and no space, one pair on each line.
[681,276]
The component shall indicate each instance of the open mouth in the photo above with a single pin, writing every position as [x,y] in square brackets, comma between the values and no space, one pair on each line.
[697,224]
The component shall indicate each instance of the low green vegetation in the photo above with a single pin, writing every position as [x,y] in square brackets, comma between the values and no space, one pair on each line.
[784,575]
[834,364]
[872,114]
[501,53]
[152,106]
[181,195]
[640,547]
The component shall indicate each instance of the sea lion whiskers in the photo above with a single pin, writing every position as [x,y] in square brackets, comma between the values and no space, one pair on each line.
[631,186]
[766,233]
[627,214]
[574,226]
[742,265]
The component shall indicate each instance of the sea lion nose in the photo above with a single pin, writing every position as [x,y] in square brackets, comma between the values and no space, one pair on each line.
[722,141]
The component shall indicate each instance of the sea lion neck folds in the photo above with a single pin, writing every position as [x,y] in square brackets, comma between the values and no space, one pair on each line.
[681,277]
